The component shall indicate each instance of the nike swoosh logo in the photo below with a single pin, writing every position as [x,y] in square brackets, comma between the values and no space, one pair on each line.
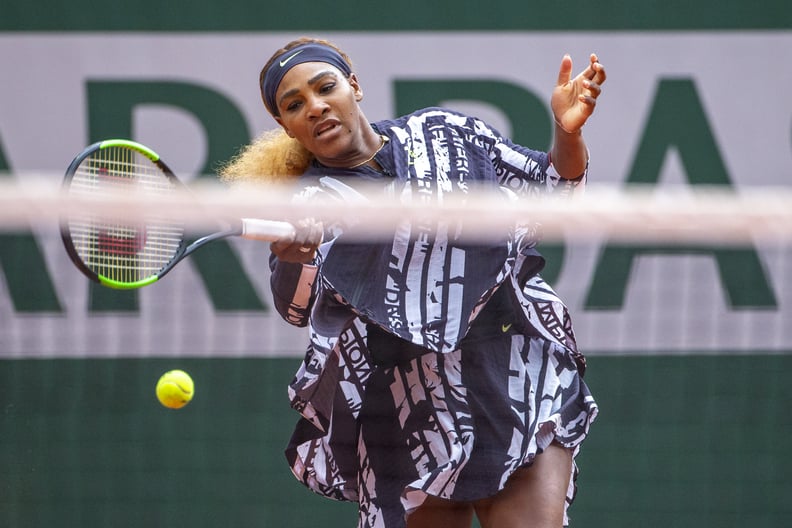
[505,327]
[287,59]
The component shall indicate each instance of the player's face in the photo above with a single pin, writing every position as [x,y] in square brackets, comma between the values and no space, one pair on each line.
[318,106]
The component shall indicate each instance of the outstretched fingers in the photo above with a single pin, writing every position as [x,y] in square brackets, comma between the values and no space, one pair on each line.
[565,71]
[574,99]
[591,80]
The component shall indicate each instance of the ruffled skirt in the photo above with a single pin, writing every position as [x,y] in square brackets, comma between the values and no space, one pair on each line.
[454,425]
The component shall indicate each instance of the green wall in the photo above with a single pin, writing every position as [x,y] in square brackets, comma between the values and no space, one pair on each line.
[405,15]
[689,441]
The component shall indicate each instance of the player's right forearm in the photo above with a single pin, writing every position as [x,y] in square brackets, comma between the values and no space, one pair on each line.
[293,290]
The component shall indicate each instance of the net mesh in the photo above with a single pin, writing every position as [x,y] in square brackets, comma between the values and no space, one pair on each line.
[658,271]
[680,299]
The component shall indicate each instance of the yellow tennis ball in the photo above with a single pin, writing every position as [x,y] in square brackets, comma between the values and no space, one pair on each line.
[175,389]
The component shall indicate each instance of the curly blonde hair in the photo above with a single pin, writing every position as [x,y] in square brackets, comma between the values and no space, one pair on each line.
[273,157]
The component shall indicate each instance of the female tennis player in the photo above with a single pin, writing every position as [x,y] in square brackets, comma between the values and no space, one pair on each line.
[442,379]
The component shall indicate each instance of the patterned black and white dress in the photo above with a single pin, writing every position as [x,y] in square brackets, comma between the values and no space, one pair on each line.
[434,366]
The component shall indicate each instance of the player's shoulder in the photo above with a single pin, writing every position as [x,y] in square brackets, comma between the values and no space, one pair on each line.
[431,114]
[439,111]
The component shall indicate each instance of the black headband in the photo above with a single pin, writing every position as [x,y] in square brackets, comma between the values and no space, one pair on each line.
[309,52]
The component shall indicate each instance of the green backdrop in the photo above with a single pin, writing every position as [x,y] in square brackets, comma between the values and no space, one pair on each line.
[689,441]
[345,15]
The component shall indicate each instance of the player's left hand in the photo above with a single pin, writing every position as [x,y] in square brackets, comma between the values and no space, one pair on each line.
[573,100]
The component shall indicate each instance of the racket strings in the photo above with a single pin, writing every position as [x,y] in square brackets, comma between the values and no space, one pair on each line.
[114,247]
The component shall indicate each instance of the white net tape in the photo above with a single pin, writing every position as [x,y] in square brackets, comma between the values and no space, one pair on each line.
[675,214]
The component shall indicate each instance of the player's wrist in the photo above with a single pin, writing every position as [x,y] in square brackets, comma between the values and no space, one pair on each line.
[570,132]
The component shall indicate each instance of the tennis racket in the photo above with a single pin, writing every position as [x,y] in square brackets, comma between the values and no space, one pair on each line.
[126,254]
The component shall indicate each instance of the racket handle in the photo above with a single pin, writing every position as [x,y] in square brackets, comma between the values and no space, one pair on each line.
[268,230]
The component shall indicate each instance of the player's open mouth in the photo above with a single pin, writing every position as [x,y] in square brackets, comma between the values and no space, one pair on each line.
[326,127]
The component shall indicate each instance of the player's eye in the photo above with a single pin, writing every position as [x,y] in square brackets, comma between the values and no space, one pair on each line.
[327,87]
[293,105]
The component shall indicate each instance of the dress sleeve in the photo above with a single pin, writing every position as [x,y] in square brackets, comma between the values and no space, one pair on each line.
[523,170]
[564,187]
[293,290]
